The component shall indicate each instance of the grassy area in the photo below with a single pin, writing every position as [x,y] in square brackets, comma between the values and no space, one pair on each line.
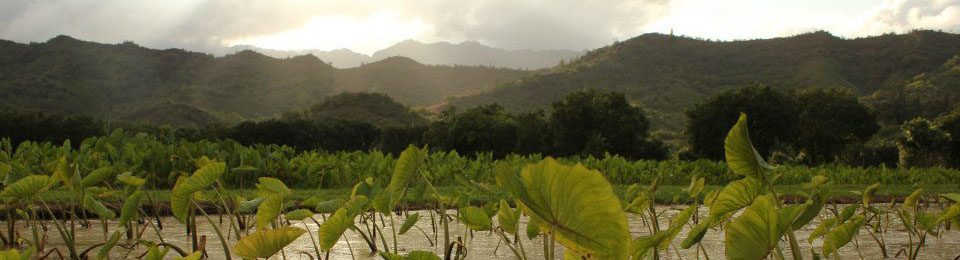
[664,194]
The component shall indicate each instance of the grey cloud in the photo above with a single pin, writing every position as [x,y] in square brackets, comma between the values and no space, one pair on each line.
[204,25]
[904,15]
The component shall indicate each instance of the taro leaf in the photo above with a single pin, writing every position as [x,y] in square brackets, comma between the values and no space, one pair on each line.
[533,228]
[155,253]
[662,239]
[104,252]
[183,191]
[328,206]
[299,214]
[952,212]
[642,246]
[96,176]
[97,207]
[267,186]
[584,214]
[821,229]
[408,164]
[955,197]
[868,193]
[756,232]
[841,235]
[130,207]
[331,229]
[311,202]
[268,210]
[130,180]
[508,218]
[409,222]
[735,196]
[266,242]
[249,206]
[910,203]
[14,254]
[928,222]
[696,186]
[475,218]
[695,235]
[811,211]
[413,255]
[192,256]
[847,212]
[27,187]
[742,158]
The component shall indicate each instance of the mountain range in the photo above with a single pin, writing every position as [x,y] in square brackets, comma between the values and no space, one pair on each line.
[899,75]
[667,74]
[468,53]
[67,75]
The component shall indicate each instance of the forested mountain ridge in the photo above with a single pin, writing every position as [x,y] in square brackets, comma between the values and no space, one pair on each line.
[667,74]
[66,75]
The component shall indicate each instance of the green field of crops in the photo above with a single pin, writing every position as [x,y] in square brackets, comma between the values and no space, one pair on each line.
[575,207]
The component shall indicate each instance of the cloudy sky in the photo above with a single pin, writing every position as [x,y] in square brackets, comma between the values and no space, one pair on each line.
[366,26]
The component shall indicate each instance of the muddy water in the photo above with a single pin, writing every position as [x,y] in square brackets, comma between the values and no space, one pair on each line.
[486,245]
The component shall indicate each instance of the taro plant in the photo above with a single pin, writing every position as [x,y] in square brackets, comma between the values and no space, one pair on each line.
[756,233]
[574,206]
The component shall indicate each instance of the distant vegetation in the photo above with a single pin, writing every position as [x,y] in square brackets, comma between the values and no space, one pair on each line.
[374,108]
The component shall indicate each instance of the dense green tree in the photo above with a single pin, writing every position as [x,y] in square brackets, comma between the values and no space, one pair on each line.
[22,126]
[592,123]
[949,123]
[922,144]
[374,108]
[481,129]
[533,132]
[307,135]
[773,119]
[829,121]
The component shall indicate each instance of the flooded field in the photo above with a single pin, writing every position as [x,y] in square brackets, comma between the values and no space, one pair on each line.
[487,245]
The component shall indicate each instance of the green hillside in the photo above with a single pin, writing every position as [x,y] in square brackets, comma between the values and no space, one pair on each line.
[66,75]
[667,74]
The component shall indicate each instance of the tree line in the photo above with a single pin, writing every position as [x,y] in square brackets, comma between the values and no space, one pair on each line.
[808,126]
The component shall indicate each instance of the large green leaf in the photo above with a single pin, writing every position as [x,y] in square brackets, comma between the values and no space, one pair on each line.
[841,235]
[414,255]
[508,218]
[268,210]
[14,254]
[735,196]
[266,242]
[644,245]
[299,214]
[104,252]
[576,204]
[130,207]
[97,207]
[183,191]
[96,176]
[130,180]
[742,158]
[911,202]
[248,206]
[408,164]
[409,222]
[155,253]
[267,186]
[475,218]
[754,233]
[868,193]
[331,229]
[328,206]
[27,187]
